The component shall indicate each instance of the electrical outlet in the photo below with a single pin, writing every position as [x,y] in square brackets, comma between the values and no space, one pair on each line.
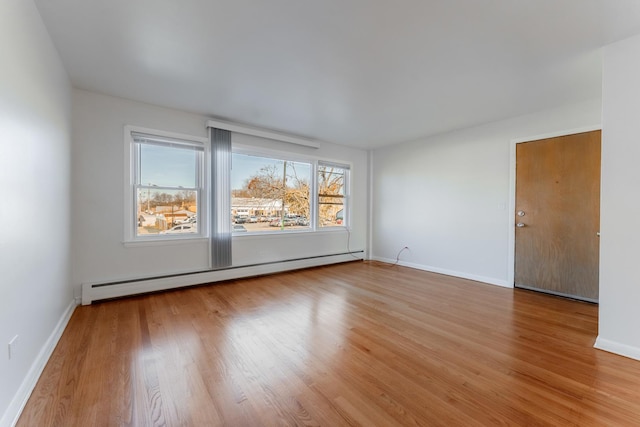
[12,346]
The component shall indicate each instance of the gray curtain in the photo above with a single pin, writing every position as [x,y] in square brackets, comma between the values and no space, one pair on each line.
[220,198]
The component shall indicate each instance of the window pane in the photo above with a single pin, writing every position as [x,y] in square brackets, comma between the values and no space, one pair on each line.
[162,211]
[331,185]
[165,166]
[261,186]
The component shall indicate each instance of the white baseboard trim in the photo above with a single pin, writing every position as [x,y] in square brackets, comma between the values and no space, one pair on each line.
[11,415]
[617,348]
[94,291]
[474,277]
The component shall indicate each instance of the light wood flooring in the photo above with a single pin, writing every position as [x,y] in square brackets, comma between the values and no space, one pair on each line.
[362,343]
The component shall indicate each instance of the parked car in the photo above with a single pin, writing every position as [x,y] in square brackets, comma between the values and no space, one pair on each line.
[188,220]
[301,220]
[240,219]
[239,229]
[287,222]
[253,219]
[182,228]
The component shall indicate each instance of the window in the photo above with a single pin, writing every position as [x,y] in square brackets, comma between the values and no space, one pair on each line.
[167,187]
[168,190]
[269,194]
[332,181]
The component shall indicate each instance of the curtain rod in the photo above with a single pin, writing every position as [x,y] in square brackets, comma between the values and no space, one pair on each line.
[263,133]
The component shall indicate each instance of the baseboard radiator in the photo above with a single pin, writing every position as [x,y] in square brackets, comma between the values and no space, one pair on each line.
[100,291]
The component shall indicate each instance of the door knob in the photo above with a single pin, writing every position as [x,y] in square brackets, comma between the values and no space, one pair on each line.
[520,224]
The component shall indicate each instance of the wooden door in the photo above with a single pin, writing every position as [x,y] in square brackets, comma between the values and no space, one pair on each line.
[558,215]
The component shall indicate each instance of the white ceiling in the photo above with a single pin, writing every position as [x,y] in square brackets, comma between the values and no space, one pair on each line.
[357,72]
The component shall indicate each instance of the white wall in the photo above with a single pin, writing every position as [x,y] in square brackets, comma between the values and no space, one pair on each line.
[98,205]
[35,290]
[619,322]
[447,197]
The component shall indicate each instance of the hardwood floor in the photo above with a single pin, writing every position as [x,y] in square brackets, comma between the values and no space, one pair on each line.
[362,343]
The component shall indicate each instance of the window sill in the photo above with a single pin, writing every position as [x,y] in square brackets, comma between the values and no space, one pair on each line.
[276,234]
[164,242]
[290,233]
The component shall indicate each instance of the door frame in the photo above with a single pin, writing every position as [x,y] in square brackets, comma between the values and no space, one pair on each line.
[511,263]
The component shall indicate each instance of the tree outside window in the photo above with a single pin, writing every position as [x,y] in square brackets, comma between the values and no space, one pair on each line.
[270,194]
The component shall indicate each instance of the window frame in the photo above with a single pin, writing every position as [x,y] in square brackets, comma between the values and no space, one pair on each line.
[132,185]
[314,162]
[346,205]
